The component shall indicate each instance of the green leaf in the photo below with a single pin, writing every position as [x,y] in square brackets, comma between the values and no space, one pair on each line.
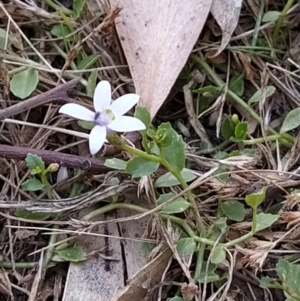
[174,152]
[234,210]
[24,83]
[291,121]
[240,130]
[255,199]
[32,185]
[266,282]
[221,155]
[91,86]
[223,168]
[262,42]
[219,227]
[152,134]
[209,275]
[271,15]
[60,30]
[235,153]
[265,220]
[139,167]
[35,163]
[87,125]
[72,254]
[4,39]
[186,246]
[218,255]
[257,96]
[204,102]
[289,274]
[143,114]
[87,62]
[207,89]
[177,206]
[236,84]
[154,149]
[37,216]
[168,180]
[77,7]
[176,299]
[236,140]
[113,182]
[164,135]
[116,163]
[245,152]
[227,128]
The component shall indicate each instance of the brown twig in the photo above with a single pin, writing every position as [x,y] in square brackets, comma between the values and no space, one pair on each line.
[71,161]
[57,93]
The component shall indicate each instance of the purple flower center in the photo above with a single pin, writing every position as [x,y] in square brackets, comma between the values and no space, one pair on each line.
[105,117]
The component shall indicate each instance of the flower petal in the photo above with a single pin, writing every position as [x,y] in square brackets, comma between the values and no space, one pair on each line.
[77,111]
[102,96]
[97,138]
[124,103]
[126,124]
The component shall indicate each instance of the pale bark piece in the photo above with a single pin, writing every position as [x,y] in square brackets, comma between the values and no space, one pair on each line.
[226,13]
[145,279]
[157,38]
[135,255]
[96,278]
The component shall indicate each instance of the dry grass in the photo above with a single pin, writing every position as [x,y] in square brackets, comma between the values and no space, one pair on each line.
[25,250]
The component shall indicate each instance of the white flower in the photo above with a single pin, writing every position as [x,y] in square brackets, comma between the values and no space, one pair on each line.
[108,115]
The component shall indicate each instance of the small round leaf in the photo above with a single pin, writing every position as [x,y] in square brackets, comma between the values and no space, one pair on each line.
[291,121]
[143,114]
[139,167]
[33,161]
[24,83]
[257,96]
[234,210]
[218,255]
[271,16]
[73,254]
[177,206]
[241,130]
[186,247]
[32,185]
[168,180]
[116,163]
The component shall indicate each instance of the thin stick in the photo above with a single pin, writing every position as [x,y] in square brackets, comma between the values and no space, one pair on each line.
[57,93]
[71,161]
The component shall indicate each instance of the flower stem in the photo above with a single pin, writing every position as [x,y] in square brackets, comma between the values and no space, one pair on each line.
[254,221]
[238,240]
[184,185]
[138,152]
[213,149]
[53,237]
[44,180]
[49,254]
[262,139]
[246,236]
[161,159]
[179,221]
[18,265]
